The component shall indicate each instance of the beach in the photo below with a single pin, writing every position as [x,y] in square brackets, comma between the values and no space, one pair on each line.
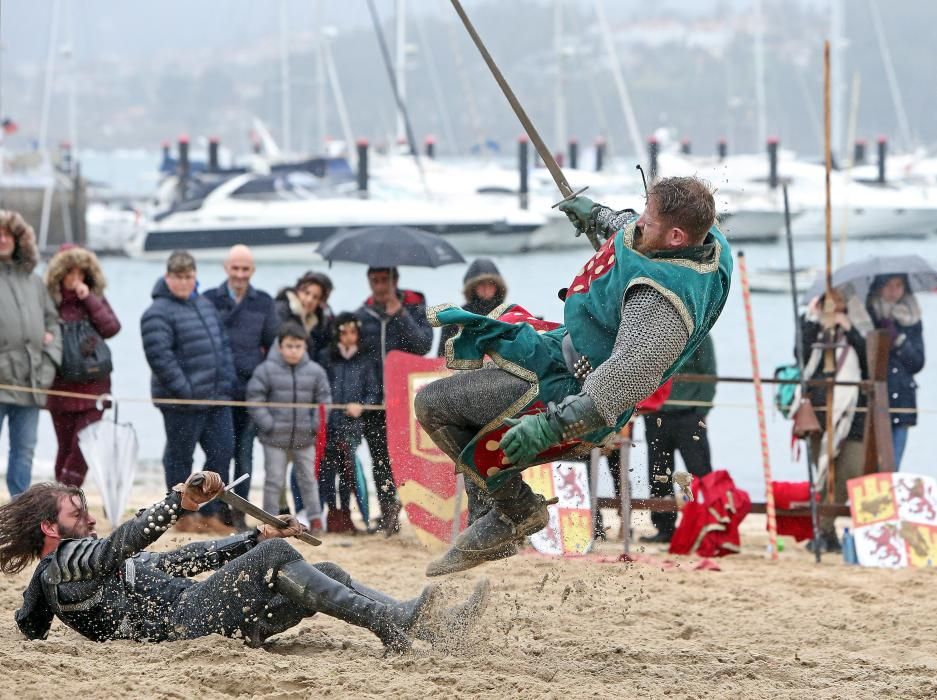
[555,628]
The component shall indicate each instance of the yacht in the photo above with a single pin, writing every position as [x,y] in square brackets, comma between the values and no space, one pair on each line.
[287,215]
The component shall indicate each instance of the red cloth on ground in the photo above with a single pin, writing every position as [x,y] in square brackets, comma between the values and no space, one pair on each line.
[792,494]
[710,523]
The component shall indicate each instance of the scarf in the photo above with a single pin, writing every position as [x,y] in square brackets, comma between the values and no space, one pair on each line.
[904,312]
[347,352]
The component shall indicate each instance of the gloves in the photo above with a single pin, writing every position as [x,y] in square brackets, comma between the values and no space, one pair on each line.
[528,437]
[199,488]
[574,416]
[293,528]
[579,212]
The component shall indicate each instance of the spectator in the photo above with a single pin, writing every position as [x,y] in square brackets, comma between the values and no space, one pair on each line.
[304,303]
[484,290]
[30,344]
[250,319]
[188,352]
[289,434]
[893,307]
[75,283]
[391,319]
[354,382]
[846,336]
[674,427]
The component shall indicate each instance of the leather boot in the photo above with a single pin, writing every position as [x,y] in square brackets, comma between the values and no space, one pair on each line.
[316,591]
[517,513]
[447,627]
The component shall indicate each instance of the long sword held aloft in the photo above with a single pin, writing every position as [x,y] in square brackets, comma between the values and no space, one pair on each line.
[548,160]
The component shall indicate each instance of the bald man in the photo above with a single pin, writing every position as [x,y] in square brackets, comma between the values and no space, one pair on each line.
[250,319]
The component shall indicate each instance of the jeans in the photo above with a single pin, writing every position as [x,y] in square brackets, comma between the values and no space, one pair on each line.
[212,429]
[276,460]
[244,433]
[23,421]
[899,438]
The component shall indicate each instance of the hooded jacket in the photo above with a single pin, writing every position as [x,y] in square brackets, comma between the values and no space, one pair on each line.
[187,349]
[94,308]
[277,381]
[26,314]
[480,270]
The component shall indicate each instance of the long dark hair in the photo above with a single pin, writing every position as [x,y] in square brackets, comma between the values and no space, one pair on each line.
[21,537]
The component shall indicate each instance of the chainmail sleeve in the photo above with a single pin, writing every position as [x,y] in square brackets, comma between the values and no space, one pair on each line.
[609,222]
[651,337]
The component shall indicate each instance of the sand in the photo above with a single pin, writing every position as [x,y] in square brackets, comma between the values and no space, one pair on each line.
[555,628]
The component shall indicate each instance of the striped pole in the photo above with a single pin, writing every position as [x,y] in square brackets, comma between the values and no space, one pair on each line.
[760,405]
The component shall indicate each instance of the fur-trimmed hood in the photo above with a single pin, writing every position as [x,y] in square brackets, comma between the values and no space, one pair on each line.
[483,270]
[26,254]
[64,261]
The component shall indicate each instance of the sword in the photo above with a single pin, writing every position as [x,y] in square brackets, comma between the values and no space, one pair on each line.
[228,496]
[548,160]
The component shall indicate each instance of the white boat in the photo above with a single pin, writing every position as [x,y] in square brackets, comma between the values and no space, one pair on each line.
[282,222]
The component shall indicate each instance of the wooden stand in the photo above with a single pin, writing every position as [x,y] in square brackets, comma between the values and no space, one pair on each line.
[878,446]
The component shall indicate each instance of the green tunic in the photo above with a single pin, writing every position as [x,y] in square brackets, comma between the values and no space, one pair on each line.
[695,280]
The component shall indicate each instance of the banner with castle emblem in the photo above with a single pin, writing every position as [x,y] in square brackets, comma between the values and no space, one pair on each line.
[570,529]
[894,519]
[432,496]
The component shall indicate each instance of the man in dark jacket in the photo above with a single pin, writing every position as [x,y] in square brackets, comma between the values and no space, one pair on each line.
[682,428]
[391,319]
[187,349]
[111,588]
[250,318]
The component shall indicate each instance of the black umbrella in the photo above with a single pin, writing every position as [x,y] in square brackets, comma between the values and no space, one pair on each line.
[860,275]
[389,246]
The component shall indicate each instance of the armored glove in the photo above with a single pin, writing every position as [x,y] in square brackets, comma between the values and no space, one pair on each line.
[574,416]
[579,211]
[206,486]
[293,528]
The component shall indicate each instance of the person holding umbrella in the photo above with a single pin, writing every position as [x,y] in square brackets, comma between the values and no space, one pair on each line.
[391,319]
[893,308]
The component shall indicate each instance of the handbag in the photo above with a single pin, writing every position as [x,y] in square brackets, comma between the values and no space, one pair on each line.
[85,355]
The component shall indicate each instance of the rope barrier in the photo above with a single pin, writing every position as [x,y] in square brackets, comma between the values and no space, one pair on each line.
[381,407]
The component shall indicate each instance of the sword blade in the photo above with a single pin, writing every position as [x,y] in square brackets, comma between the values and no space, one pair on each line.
[245,506]
[548,160]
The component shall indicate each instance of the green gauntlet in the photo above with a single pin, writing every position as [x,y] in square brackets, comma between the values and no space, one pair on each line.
[579,212]
[574,416]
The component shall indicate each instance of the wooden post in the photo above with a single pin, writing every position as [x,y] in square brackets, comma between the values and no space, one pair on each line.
[829,306]
[879,448]
[624,480]
[760,406]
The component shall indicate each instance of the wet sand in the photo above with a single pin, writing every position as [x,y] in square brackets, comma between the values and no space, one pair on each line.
[589,627]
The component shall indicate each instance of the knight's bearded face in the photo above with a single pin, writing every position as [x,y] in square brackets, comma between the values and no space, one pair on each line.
[650,231]
[74,520]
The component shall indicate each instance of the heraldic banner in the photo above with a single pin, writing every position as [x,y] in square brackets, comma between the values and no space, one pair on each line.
[894,517]
[570,529]
[426,480]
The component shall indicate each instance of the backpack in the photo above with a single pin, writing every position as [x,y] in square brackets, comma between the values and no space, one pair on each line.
[784,393]
[85,355]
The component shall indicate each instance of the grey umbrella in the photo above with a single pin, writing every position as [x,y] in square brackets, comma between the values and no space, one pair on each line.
[389,246]
[858,276]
